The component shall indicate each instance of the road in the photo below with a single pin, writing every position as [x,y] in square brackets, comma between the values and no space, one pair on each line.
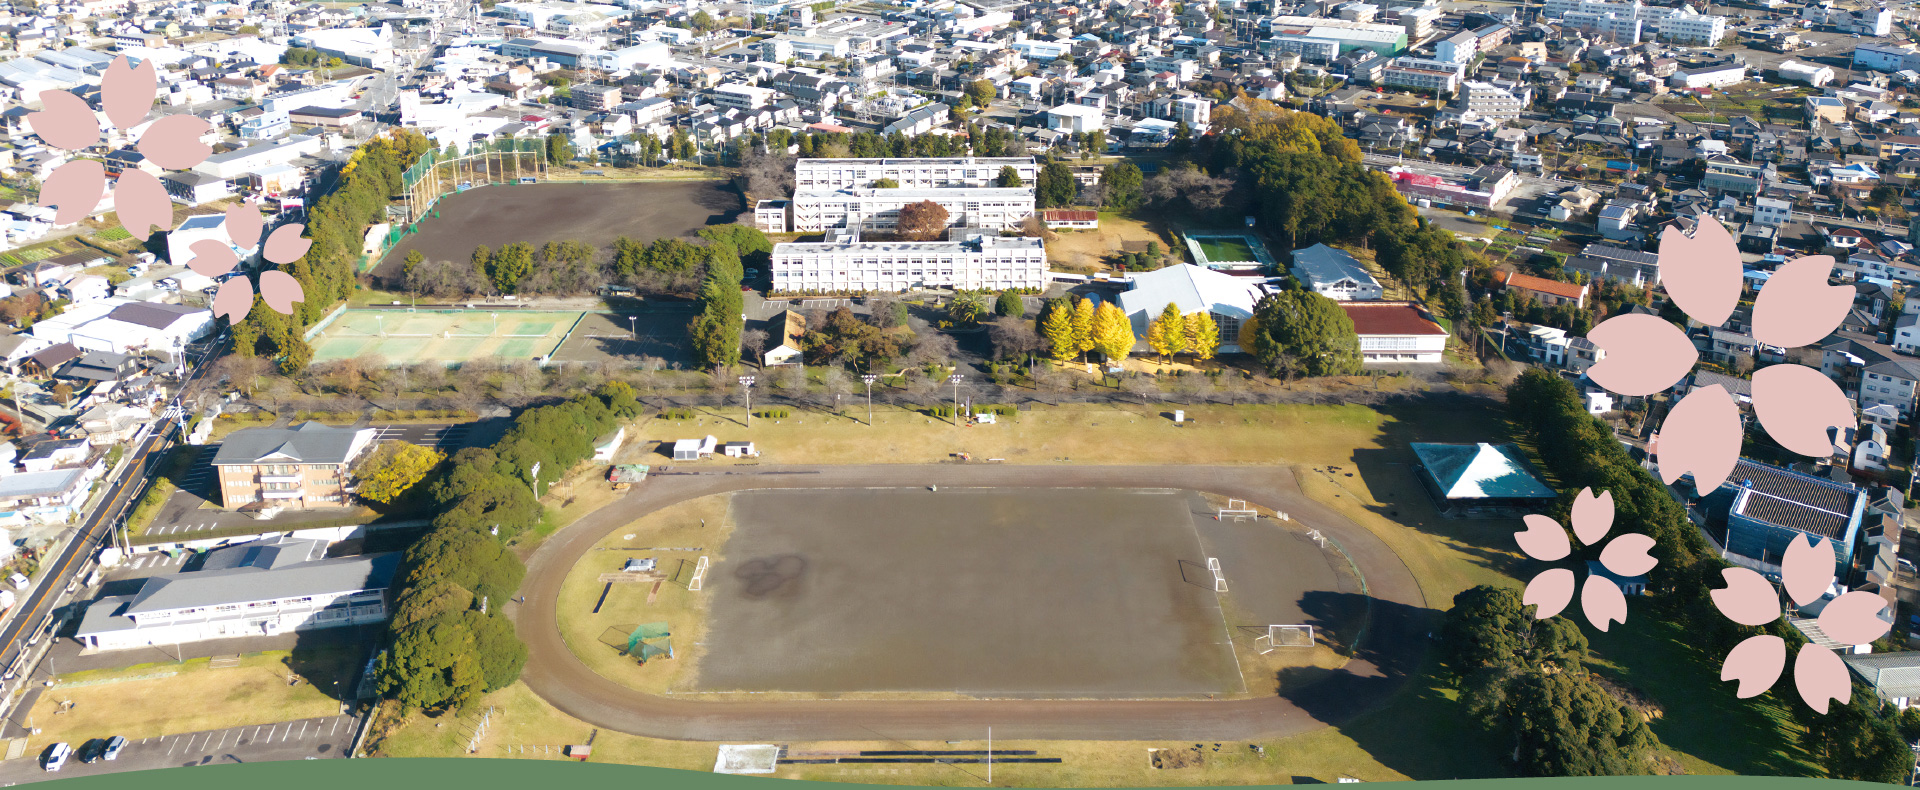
[1395,642]
[40,601]
[321,738]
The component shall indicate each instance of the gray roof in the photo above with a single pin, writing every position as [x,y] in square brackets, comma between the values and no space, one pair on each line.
[1737,387]
[37,484]
[307,443]
[205,588]
[1890,674]
[1796,501]
[270,555]
[148,314]
[1322,264]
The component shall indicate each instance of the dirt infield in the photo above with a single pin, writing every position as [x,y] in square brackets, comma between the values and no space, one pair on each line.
[1062,593]
[539,213]
[655,331]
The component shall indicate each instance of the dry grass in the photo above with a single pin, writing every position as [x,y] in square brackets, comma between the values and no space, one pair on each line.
[676,526]
[1088,250]
[195,698]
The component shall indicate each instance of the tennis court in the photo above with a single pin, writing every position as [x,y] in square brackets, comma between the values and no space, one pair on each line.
[446,336]
[1228,250]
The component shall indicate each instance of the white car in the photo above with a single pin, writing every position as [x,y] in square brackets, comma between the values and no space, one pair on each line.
[56,756]
[19,581]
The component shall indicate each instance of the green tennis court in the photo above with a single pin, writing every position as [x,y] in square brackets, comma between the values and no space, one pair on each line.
[445,336]
[1225,249]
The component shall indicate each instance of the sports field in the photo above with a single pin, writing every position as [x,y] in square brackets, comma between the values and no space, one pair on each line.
[1057,593]
[1222,249]
[1226,250]
[446,336]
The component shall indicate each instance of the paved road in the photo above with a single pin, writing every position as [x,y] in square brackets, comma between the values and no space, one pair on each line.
[1393,647]
[321,738]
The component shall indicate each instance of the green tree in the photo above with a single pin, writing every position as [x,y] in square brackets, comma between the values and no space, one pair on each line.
[1167,334]
[1182,139]
[1488,626]
[1010,177]
[395,468]
[413,259]
[1055,187]
[1564,724]
[1310,329]
[1203,336]
[1120,184]
[1009,303]
[559,148]
[966,307]
[980,92]
[509,264]
[886,183]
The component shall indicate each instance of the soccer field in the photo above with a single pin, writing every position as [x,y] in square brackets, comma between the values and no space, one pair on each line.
[445,336]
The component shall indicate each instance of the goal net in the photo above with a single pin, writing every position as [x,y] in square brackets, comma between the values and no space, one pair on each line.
[1236,510]
[1279,636]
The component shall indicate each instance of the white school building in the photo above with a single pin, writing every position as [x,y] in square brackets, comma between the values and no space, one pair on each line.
[818,210]
[982,261]
[922,173]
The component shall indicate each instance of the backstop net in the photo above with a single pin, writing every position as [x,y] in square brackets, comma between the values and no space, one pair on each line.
[649,641]
[437,175]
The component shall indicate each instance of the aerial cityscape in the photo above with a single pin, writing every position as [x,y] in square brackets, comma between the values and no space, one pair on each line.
[962,392]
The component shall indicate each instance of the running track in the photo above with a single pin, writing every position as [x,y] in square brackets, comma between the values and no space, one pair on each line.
[1394,645]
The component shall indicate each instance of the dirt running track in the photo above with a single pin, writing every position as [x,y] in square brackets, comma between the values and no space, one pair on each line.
[1395,641]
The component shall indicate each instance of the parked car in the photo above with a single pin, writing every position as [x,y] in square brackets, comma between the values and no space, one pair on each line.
[114,745]
[92,750]
[56,756]
[19,581]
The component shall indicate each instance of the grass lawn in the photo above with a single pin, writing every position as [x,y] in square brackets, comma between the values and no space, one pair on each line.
[1224,250]
[626,606]
[196,697]
[1088,250]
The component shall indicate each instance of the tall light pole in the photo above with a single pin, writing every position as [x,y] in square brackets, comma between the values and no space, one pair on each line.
[955,380]
[747,381]
[869,378]
[633,334]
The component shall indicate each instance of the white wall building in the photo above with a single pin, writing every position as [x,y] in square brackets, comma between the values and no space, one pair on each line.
[983,207]
[1809,73]
[263,588]
[924,173]
[1191,289]
[982,261]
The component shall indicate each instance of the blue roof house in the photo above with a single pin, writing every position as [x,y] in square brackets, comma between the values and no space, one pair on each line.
[1767,507]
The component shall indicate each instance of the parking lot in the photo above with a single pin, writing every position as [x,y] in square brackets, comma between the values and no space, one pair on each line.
[304,739]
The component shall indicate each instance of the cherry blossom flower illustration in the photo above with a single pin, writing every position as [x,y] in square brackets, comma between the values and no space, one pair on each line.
[173,142]
[1600,598]
[1646,354]
[1807,573]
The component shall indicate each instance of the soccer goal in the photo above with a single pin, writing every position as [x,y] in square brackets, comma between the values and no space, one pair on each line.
[1315,536]
[699,575]
[1236,510]
[1279,636]
[1219,578]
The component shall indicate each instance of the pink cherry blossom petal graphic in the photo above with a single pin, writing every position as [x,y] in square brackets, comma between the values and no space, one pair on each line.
[280,290]
[285,245]
[1820,675]
[1807,569]
[1701,272]
[1645,354]
[1627,554]
[1747,599]
[243,224]
[1552,590]
[234,300]
[211,257]
[1797,307]
[1701,435]
[76,187]
[67,122]
[1602,602]
[1756,662]
[174,142]
[1592,516]
[1798,404]
[1854,618]
[142,203]
[1544,539]
[127,91]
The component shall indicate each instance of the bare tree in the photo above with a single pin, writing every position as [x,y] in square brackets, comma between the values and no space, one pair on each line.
[837,383]
[242,371]
[1189,186]
[933,347]
[755,340]
[792,378]
[1146,387]
[884,308]
[767,176]
[1013,337]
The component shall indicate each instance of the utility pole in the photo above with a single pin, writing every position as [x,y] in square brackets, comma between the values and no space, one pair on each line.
[869,379]
[955,380]
[747,382]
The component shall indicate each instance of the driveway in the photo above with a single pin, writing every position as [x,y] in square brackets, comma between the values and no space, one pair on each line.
[303,739]
[1399,618]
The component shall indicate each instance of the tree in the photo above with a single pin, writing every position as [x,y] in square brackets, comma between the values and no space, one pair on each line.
[1564,724]
[1203,336]
[1112,333]
[1013,337]
[1010,304]
[886,183]
[1084,311]
[843,337]
[63,392]
[1182,139]
[559,148]
[1167,334]
[701,21]
[1010,177]
[1055,187]
[922,221]
[395,468]
[1489,626]
[966,308]
[980,92]
[1120,185]
[1057,327]
[413,260]
[1311,329]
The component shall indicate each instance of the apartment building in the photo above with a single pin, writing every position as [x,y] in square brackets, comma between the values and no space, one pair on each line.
[301,466]
[981,207]
[924,173]
[1422,74]
[842,265]
[1483,101]
[1681,24]
[263,588]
